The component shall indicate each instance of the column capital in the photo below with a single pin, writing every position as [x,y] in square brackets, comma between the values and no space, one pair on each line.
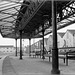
[15,38]
[29,38]
[20,30]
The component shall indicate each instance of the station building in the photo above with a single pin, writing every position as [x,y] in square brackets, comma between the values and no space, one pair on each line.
[69,38]
[37,46]
[7,48]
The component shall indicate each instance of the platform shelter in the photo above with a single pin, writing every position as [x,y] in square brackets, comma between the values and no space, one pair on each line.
[27,19]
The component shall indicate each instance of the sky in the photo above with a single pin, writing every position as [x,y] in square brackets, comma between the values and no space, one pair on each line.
[8,41]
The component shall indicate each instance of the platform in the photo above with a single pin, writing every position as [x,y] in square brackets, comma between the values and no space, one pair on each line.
[34,66]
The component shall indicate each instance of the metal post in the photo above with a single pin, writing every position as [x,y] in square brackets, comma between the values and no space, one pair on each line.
[20,44]
[29,46]
[43,42]
[16,48]
[55,64]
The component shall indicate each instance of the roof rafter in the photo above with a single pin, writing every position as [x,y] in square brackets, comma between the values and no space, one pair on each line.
[15,14]
[7,21]
[7,17]
[17,2]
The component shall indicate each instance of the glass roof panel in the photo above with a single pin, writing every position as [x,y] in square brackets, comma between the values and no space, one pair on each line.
[9,19]
[3,15]
[8,15]
[9,10]
[72,18]
[7,24]
[7,5]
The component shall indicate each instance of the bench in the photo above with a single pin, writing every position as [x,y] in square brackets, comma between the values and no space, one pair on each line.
[32,53]
[63,55]
[37,53]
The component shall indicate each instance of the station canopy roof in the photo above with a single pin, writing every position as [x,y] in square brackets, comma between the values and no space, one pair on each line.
[29,16]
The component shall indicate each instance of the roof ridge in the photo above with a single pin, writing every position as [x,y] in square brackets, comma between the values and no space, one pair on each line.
[71,31]
[61,34]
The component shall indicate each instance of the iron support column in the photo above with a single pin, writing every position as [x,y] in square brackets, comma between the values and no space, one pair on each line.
[29,46]
[55,64]
[16,48]
[43,41]
[20,44]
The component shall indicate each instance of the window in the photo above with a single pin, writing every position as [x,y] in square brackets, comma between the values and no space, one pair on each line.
[10,51]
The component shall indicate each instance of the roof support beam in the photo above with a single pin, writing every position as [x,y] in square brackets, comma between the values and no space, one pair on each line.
[29,15]
[19,12]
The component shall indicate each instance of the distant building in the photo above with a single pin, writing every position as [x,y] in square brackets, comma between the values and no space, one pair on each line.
[69,38]
[7,49]
[66,39]
[49,43]
[37,45]
[60,39]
